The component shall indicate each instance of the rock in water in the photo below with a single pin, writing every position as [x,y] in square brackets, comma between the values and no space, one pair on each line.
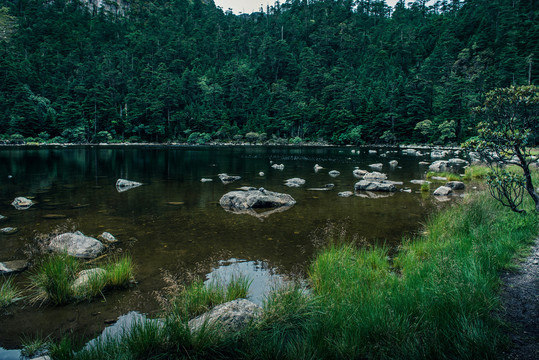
[443,191]
[393,163]
[231,316]
[377,166]
[76,244]
[108,237]
[456,185]
[243,200]
[227,179]
[124,185]
[205,180]
[22,203]
[326,187]
[375,176]
[366,185]
[439,166]
[12,267]
[8,230]
[345,194]
[294,182]
[278,166]
[334,173]
[359,173]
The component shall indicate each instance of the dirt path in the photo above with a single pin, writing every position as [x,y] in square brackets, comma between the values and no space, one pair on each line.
[520,298]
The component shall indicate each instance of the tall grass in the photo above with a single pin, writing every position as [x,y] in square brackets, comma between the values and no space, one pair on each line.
[448,175]
[53,279]
[476,172]
[8,292]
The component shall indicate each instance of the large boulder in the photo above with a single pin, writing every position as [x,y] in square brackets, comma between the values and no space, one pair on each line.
[367,185]
[261,198]
[124,185]
[294,182]
[231,316]
[443,191]
[22,203]
[439,166]
[77,244]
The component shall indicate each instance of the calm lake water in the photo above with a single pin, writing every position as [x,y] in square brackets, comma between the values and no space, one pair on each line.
[194,235]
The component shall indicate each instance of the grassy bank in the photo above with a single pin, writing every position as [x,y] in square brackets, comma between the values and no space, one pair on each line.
[436,298]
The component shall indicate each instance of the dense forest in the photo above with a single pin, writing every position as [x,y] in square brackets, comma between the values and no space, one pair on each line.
[339,71]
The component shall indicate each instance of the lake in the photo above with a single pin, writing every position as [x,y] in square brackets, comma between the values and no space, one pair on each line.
[174,225]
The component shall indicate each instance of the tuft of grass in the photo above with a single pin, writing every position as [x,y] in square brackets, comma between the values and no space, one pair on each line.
[425,187]
[120,272]
[450,176]
[54,277]
[52,280]
[33,347]
[8,292]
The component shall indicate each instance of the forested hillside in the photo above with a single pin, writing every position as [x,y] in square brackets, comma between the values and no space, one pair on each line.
[339,71]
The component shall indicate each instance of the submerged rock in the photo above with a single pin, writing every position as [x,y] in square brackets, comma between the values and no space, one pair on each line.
[124,185]
[231,316]
[22,203]
[294,182]
[278,166]
[2,217]
[334,173]
[12,267]
[393,163]
[204,180]
[372,152]
[8,230]
[367,185]
[261,198]
[76,244]
[326,187]
[227,179]
[443,191]
[261,173]
[346,194]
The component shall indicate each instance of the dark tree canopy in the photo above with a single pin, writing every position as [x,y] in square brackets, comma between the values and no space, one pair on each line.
[339,71]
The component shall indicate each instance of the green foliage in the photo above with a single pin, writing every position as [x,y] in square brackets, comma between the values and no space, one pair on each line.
[53,279]
[141,77]
[425,187]
[8,292]
[509,123]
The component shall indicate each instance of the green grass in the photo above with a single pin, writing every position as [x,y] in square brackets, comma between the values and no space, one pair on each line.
[8,292]
[476,172]
[425,187]
[33,347]
[450,176]
[437,297]
[53,278]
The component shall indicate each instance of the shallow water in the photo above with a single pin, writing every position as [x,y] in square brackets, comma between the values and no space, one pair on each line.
[194,234]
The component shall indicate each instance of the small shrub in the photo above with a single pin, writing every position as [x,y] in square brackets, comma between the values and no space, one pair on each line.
[296,140]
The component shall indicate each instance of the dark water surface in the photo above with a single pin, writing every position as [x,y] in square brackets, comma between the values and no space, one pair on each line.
[197,235]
